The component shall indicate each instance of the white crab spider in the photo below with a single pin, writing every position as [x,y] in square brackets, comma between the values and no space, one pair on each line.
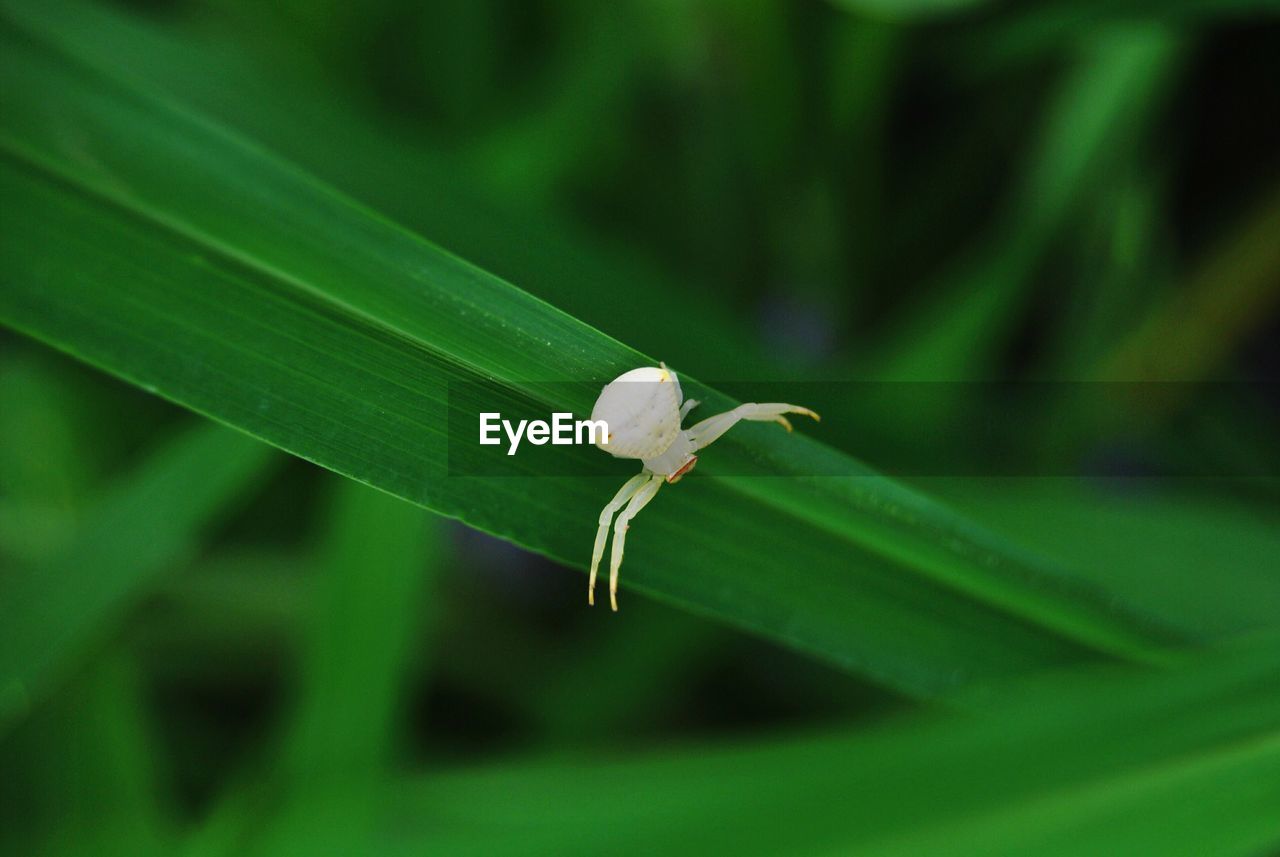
[644,409]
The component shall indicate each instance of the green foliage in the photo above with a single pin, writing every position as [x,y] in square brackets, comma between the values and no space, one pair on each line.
[52,610]
[232,228]
[1173,764]
[337,336]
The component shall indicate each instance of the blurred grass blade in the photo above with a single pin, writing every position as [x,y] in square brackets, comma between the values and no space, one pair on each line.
[1234,292]
[1030,30]
[377,561]
[82,778]
[1036,28]
[376,564]
[147,524]
[909,10]
[1100,109]
[213,617]
[1099,761]
[158,246]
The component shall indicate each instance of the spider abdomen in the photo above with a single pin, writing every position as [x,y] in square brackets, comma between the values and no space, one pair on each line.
[642,409]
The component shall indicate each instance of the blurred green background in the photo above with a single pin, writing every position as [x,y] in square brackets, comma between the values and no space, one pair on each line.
[255,655]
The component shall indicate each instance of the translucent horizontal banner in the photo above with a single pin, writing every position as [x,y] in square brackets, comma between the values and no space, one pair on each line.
[1047,428]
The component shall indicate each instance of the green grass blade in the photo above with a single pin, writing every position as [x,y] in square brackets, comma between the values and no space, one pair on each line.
[909,10]
[427,190]
[1208,564]
[156,245]
[1182,763]
[377,561]
[1102,106]
[150,522]
[376,564]
[83,776]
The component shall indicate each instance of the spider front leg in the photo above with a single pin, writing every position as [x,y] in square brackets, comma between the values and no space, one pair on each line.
[688,405]
[620,527]
[704,433]
[606,518]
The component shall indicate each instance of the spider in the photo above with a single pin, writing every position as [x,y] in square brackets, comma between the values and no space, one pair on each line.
[644,409]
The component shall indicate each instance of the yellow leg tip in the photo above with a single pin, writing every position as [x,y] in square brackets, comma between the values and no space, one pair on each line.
[808,413]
